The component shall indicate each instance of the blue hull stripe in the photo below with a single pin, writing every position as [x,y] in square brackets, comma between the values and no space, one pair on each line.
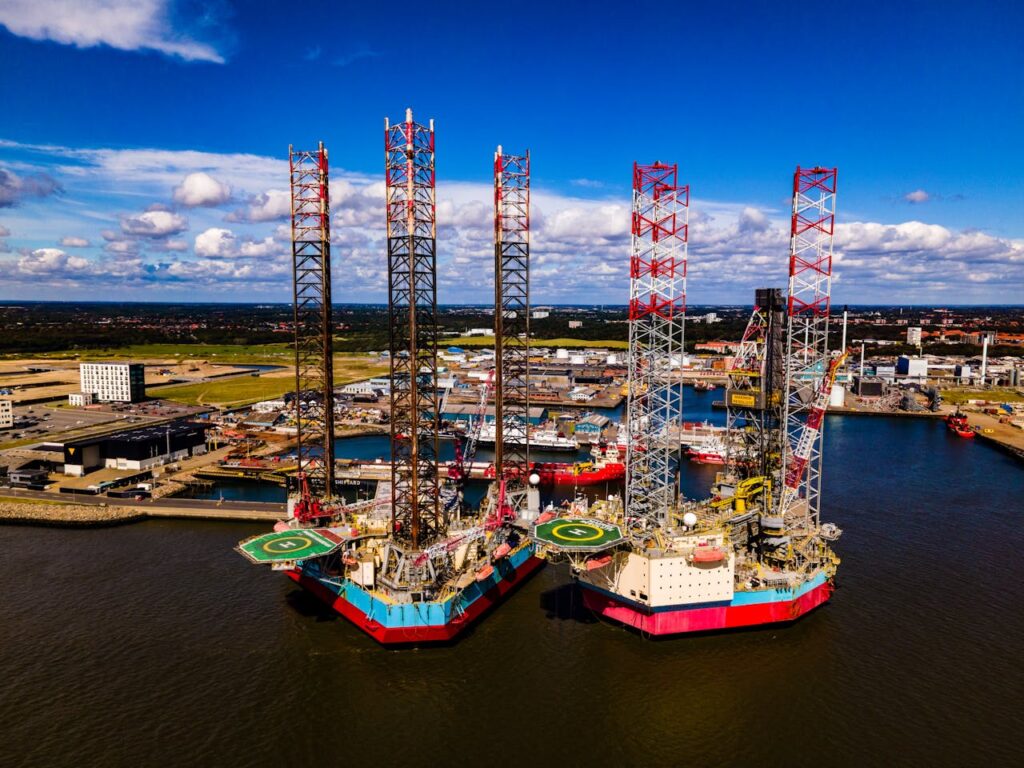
[425,614]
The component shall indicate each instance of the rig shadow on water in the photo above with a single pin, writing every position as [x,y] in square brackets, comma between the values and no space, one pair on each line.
[565,603]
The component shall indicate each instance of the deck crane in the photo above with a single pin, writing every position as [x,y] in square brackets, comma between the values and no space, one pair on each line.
[464,456]
[801,452]
[460,468]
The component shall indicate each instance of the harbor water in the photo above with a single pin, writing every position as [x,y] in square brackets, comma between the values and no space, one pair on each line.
[157,644]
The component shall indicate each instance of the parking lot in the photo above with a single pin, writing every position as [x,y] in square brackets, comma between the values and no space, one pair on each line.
[42,422]
[45,422]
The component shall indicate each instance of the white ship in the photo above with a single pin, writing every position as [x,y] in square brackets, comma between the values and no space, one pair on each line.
[540,439]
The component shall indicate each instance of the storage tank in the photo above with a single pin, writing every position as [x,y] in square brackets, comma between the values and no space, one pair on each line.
[837,398]
[561,354]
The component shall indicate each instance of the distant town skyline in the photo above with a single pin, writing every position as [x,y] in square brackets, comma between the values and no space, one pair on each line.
[143,145]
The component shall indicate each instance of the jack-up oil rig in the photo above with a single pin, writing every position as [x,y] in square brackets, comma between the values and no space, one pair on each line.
[412,566]
[755,552]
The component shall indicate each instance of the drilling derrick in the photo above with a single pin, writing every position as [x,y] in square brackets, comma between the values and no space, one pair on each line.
[512,317]
[657,310]
[417,516]
[314,360]
[807,360]
[754,397]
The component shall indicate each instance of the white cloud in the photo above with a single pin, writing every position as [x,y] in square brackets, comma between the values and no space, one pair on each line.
[917,196]
[122,247]
[211,271]
[169,245]
[14,188]
[154,224]
[216,243]
[272,205]
[201,189]
[128,25]
[580,246]
[50,261]
[74,242]
[268,246]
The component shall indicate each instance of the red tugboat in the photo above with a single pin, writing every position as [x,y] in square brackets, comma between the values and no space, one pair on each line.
[957,423]
[606,465]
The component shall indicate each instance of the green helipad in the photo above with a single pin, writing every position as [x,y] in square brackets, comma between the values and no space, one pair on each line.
[283,546]
[576,534]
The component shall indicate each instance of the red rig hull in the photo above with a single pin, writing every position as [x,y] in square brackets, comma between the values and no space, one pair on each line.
[705,619]
[417,635]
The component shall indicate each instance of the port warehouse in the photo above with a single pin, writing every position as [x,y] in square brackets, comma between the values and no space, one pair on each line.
[138,449]
[467,414]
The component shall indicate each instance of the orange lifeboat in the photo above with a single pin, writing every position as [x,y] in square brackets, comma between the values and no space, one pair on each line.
[545,517]
[485,573]
[349,559]
[501,551]
[708,555]
[598,562]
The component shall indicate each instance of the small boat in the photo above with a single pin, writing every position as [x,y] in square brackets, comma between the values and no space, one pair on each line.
[708,555]
[598,562]
[713,451]
[501,551]
[485,573]
[957,424]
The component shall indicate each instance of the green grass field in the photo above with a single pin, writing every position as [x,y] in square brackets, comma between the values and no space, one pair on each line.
[266,354]
[488,341]
[230,392]
[243,390]
[957,396]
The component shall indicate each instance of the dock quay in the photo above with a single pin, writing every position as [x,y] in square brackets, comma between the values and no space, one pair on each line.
[40,508]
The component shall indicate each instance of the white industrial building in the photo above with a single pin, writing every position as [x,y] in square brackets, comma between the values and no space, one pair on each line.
[270,406]
[912,368]
[913,335]
[6,414]
[368,387]
[80,399]
[114,382]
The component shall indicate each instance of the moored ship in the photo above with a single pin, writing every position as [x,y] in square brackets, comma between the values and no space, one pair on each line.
[605,466]
[540,439]
[711,451]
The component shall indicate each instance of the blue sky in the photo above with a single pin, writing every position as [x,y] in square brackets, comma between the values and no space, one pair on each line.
[109,105]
